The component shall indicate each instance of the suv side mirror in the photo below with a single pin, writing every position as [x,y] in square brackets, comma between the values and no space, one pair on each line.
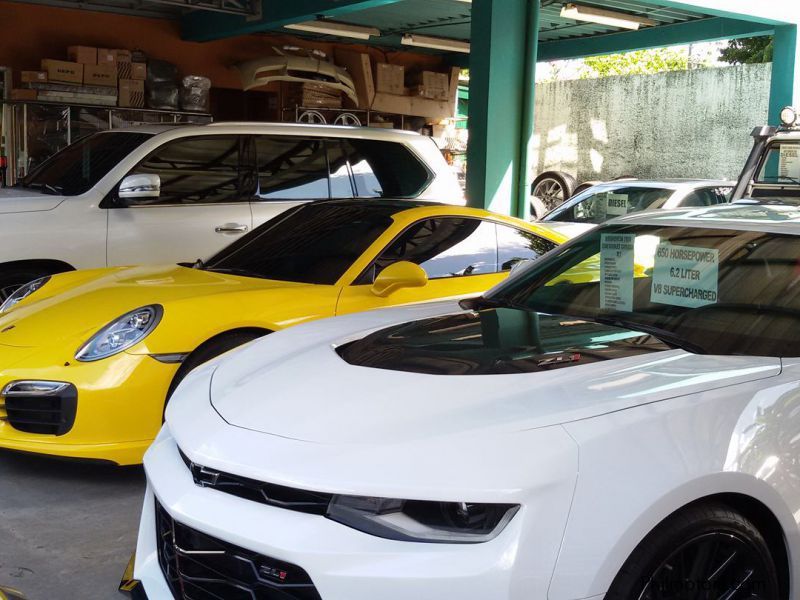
[144,185]
[403,274]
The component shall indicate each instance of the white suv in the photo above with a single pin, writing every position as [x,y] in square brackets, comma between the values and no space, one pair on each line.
[168,194]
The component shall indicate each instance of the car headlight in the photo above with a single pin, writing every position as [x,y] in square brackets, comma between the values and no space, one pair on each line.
[23,292]
[421,520]
[121,333]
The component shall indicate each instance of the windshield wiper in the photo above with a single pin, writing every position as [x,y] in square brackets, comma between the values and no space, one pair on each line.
[794,180]
[44,188]
[664,335]
[198,264]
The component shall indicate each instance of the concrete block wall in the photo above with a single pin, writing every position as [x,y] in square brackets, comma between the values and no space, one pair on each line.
[693,123]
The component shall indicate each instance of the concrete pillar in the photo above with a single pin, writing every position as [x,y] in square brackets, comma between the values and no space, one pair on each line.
[502,75]
[785,86]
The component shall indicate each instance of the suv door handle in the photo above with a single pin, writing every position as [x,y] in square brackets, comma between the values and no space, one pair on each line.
[230,228]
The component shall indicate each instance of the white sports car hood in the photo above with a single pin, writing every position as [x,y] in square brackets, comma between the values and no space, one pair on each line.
[16,200]
[414,373]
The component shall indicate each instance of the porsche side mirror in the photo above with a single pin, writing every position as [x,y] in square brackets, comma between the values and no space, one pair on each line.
[403,274]
[139,187]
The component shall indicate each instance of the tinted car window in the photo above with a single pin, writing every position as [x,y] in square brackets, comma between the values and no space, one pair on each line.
[715,291]
[515,245]
[708,196]
[78,167]
[385,169]
[444,247]
[291,168]
[600,205]
[313,243]
[197,170]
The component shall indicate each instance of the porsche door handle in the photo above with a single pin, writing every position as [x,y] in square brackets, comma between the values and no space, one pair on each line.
[231,228]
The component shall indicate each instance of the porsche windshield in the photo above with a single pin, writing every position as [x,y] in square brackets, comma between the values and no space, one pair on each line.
[707,290]
[78,167]
[314,243]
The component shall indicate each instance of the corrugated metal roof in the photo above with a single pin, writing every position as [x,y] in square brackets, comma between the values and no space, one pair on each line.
[452,19]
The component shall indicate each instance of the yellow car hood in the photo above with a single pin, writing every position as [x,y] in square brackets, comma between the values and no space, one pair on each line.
[79,303]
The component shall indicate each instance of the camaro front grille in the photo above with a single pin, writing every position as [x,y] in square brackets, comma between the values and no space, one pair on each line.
[42,414]
[315,503]
[197,566]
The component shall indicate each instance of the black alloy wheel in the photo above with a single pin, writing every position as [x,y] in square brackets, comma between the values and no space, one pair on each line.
[716,565]
[704,552]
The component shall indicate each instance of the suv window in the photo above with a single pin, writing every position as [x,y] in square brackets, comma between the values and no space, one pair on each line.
[292,168]
[515,245]
[444,247]
[78,167]
[198,170]
[385,169]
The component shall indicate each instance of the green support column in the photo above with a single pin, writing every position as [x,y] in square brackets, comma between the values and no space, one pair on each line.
[785,86]
[502,72]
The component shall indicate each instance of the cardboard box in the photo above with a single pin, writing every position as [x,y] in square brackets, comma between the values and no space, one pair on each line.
[138,71]
[104,75]
[431,85]
[106,56]
[24,94]
[61,70]
[86,55]
[389,78]
[122,56]
[131,93]
[33,76]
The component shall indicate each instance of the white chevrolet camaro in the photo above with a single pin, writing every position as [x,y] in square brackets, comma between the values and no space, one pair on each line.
[618,420]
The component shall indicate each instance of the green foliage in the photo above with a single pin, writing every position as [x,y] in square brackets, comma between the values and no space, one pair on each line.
[748,51]
[639,62]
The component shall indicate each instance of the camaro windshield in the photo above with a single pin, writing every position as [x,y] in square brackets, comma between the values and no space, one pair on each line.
[314,243]
[78,167]
[598,207]
[717,291]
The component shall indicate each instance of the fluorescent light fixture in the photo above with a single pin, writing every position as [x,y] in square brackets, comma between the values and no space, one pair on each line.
[424,41]
[333,28]
[591,14]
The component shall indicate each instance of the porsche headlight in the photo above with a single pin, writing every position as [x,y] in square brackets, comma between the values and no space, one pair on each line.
[121,333]
[422,521]
[23,292]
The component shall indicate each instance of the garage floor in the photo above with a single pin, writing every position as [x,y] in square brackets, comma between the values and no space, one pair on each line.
[67,529]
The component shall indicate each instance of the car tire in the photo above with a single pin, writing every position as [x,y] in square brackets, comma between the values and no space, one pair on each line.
[659,564]
[212,349]
[584,186]
[552,188]
[11,279]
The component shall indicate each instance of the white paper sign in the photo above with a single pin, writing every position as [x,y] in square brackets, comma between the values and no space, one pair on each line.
[789,165]
[685,275]
[616,205]
[616,271]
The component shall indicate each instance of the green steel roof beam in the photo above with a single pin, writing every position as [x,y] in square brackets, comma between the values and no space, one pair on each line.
[700,30]
[770,12]
[785,85]
[201,26]
[501,101]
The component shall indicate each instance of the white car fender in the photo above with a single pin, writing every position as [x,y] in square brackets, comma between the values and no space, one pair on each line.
[618,452]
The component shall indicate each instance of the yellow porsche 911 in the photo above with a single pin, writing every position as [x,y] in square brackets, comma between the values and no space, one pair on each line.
[89,358]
